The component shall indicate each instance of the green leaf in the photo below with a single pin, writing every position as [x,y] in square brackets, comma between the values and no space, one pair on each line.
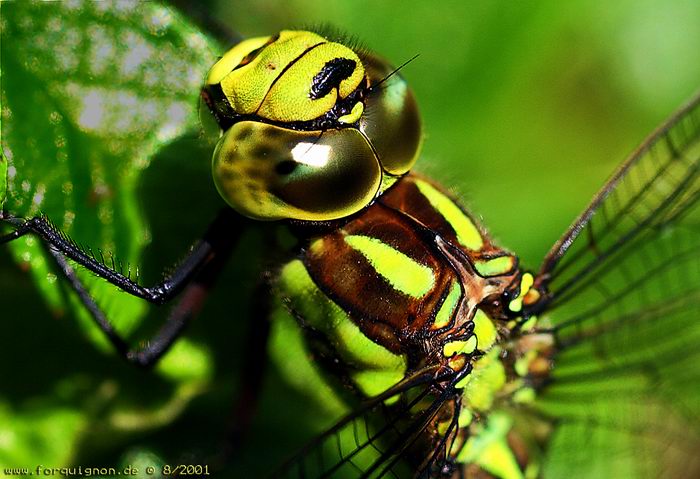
[92,93]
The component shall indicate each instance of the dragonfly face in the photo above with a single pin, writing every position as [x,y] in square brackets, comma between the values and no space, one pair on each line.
[310,132]
[403,301]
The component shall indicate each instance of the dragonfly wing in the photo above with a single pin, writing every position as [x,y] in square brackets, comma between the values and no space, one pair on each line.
[374,441]
[622,299]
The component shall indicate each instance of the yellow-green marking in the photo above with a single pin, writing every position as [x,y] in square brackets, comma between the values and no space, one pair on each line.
[495,266]
[467,233]
[376,368]
[403,273]
[448,307]
[525,284]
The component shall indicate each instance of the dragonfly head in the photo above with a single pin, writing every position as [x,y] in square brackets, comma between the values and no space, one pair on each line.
[311,129]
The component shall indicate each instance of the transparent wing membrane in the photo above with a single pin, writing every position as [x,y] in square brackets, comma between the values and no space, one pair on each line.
[375,440]
[624,308]
[653,192]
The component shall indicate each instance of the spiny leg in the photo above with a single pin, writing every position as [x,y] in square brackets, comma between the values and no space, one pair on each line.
[187,307]
[226,228]
[196,275]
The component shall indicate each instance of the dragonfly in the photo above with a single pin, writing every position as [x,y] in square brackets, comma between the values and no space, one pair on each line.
[489,388]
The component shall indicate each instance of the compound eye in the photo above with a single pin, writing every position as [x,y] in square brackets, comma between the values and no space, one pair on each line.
[267,172]
[391,120]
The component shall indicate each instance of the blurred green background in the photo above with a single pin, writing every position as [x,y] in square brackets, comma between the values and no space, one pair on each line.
[527,108]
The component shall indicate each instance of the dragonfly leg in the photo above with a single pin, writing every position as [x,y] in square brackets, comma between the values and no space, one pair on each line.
[193,277]
[187,307]
[221,234]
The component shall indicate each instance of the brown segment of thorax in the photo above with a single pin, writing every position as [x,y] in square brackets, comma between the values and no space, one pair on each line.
[405,220]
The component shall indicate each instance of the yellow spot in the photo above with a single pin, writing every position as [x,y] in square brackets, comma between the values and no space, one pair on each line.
[484,330]
[525,284]
[316,247]
[403,273]
[447,309]
[464,382]
[467,234]
[387,181]
[354,115]
[495,266]
[529,324]
[457,362]
[454,347]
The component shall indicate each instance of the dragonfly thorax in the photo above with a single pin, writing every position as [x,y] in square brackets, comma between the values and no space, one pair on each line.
[410,283]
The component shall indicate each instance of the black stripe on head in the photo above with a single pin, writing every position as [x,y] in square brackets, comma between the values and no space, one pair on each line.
[219,105]
[330,76]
